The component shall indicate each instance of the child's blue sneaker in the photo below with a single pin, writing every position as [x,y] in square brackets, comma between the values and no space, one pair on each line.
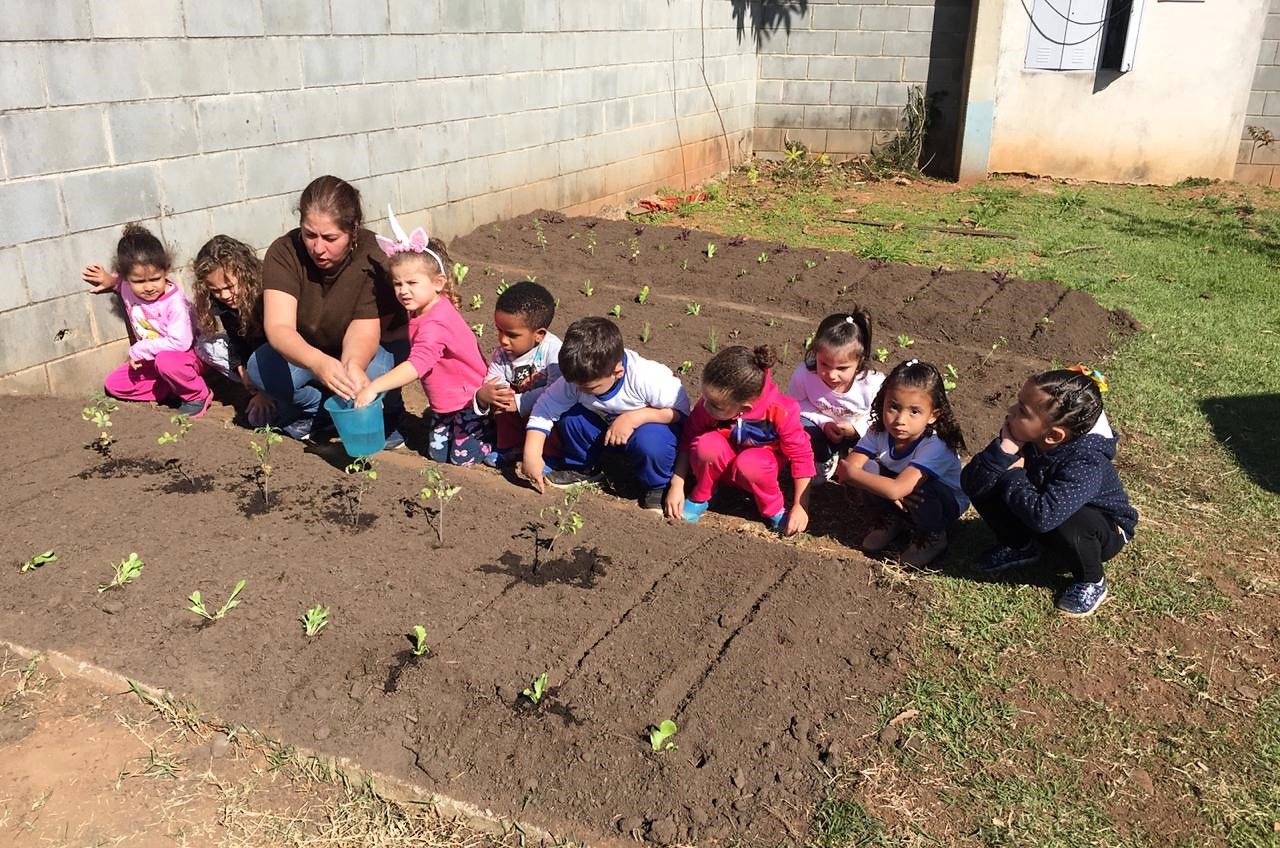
[395,439]
[299,429]
[694,510]
[1003,557]
[1082,599]
[774,522]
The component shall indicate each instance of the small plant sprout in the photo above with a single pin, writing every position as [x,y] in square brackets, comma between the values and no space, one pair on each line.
[660,735]
[684,264]
[127,570]
[502,286]
[793,278]
[633,247]
[262,452]
[742,272]
[772,322]
[539,236]
[905,341]
[786,352]
[995,346]
[713,343]
[183,425]
[477,301]
[645,333]
[478,329]
[99,412]
[684,367]
[441,491]
[950,377]
[537,688]
[198,607]
[616,311]
[38,560]
[762,258]
[418,639]
[808,340]
[711,250]
[460,272]
[643,295]
[591,242]
[588,289]
[694,309]
[362,470]
[882,353]
[568,520]
[809,264]
[314,619]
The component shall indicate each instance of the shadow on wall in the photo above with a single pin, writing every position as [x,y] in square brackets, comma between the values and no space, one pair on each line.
[944,86]
[767,16]
[1245,426]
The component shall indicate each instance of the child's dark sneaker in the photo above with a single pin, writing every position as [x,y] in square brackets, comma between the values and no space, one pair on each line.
[653,499]
[394,440]
[774,522]
[924,548]
[563,478]
[299,429]
[885,527]
[694,510]
[1002,557]
[195,408]
[827,470]
[1082,599]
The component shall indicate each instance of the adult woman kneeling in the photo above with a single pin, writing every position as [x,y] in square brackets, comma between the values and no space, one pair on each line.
[326,303]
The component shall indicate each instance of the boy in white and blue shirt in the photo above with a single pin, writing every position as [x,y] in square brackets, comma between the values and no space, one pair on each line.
[607,398]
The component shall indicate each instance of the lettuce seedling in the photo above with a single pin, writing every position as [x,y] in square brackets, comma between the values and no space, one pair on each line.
[711,250]
[478,329]
[645,332]
[694,309]
[477,301]
[950,377]
[643,295]
[762,258]
[38,560]
[905,341]
[503,285]
[419,641]
[882,353]
[536,689]
[616,311]
[314,619]
[127,570]
[684,367]
[660,735]
[198,607]
[460,272]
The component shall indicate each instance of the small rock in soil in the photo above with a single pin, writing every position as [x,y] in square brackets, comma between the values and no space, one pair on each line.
[888,736]
[743,803]
[799,727]
[112,607]
[813,736]
[358,691]
[1142,783]
[664,830]
[738,779]
[891,658]
[699,816]
[321,693]
[767,748]
[320,734]
[629,825]
[220,744]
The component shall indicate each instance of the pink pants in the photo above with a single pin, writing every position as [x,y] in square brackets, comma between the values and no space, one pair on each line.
[753,470]
[171,373]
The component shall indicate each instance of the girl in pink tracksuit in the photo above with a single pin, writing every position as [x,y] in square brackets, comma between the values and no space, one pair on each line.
[741,431]
[162,364]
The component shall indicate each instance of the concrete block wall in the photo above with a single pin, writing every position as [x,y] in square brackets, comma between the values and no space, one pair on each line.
[1259,163]
[834,74]
[197,118]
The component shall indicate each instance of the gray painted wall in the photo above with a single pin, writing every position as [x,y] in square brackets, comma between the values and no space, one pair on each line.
[199,117]
[1258,164]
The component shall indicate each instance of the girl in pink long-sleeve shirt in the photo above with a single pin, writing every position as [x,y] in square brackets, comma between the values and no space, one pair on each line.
[443,351]
[162,364]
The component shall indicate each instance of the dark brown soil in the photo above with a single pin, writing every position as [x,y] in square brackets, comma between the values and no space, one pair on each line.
[769,656]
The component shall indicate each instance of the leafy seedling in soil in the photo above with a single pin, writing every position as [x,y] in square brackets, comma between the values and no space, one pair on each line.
[418,640]
[38,560]
[785,356]
[502,286]
[588,289]
[363,475]
[183,425]
[262,452]
[762,258]
[591,244]
[905,341]
[460,272]
[314,619]
[127,570]
[995,346]
[405,659]
[713,343]
[643,295]
[684,367]
[478,329]
[694,309]
[198,607]
[539,236]
[616,311]
[882,353]
[99,412]
[684,264]
[537,688]
[568,521]
[634,248]
[660,735]
[477,301]
[950,377]
[810,264]
[441,491]
[645,332]
[711,250]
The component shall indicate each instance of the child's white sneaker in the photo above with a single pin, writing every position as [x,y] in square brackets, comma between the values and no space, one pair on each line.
[924,548]
[885,527]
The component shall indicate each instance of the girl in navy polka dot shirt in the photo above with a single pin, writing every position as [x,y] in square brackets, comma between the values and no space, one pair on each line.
[1047,482]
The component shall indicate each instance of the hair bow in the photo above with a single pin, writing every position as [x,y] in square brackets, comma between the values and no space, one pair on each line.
[415,242]
[1093,374]
[911,362]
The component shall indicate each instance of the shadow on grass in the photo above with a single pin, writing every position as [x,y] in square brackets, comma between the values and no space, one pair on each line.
[1245,424]
[1225,226]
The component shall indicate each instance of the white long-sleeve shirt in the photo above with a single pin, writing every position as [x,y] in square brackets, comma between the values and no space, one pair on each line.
[819,403]
[528,375]
[644,383]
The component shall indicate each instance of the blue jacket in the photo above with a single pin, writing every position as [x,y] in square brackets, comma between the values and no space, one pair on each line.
[1053,486]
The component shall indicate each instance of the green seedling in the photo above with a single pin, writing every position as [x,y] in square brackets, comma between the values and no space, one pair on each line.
[643,295]
[772,322]
[537,688]
[950,377]
[786,352]
[38,560]
[882,353]
[793,278]
[588,289]
[808,340]
[441,491]
[539,236]
[460,272]
[478,329]
[262,452]
[183,425]
[742,272]
[711,250]
[616,311]
[684,367]
[314,619]
[568,520]
[502,286]
[713,343]
[694,309]
[362,471]
[477,301]
[591,242]
[684,264]
[810,264]
[99,412]
[645,332]
[127,570]
[661,248]
[995,346]
[419,641]
[905,341]
[198,607]
[634,247]
[762,258]
[531,278]
[660,735]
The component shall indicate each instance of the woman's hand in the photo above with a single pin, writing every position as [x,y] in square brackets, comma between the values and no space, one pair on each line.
[337,378]
[100,278]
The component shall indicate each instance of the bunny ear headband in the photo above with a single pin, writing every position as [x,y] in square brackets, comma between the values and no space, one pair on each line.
[416,242]
[1093,374]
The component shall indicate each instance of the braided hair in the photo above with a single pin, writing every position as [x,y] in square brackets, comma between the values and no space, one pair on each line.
[925,377]
[1075,401]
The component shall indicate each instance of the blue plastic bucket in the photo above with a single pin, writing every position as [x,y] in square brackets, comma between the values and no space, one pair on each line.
[360,430]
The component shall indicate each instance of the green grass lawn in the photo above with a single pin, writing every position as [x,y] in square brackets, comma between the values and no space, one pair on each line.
[1158,721]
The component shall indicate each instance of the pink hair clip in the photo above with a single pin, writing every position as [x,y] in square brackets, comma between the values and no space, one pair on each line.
[415,242]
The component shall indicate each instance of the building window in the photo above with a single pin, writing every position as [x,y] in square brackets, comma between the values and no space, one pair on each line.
[1083,35]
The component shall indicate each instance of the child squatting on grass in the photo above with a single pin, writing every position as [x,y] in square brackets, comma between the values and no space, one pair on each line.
[607,398]
[1047,482]
[161,363]
[835,387]
[525,362]
[443,352]
[228,312]
[741,431]
[907,465]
